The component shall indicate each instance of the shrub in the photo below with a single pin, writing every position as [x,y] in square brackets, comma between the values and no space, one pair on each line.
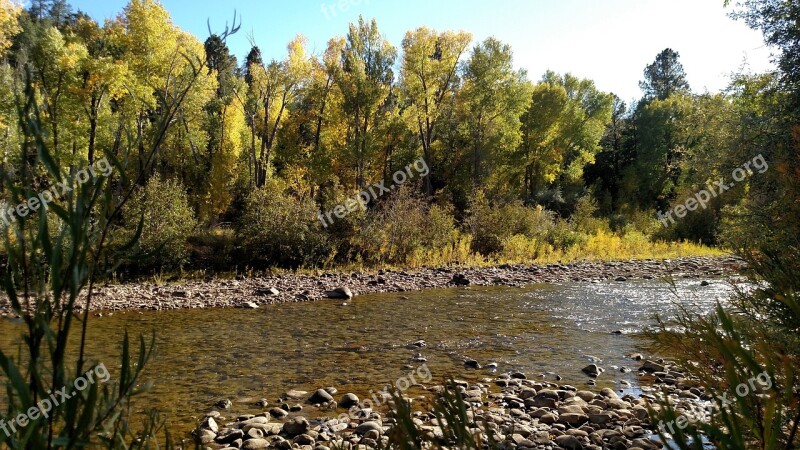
[278,229]
[584,216]
[491,226]
[401,226]
[167,220]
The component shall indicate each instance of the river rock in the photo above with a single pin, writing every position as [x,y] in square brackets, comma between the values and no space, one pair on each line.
[471,364]
[460,279]
[342,293]
[348,401]
[367,426]
[206,436]
[278,413]
[304,439]
[232,436]
[267,291]
[296,426]
[573,419]
[223,404]
[650,366]
[255,444]
[210,424]
[592,370]
[569,442]
[320,396]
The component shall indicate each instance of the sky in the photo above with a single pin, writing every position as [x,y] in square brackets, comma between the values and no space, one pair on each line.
[608,41]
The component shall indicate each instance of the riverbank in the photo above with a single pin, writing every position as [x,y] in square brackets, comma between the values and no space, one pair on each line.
[518,413]
[266,290]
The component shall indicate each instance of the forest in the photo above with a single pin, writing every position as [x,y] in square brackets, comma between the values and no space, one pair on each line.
[519,168]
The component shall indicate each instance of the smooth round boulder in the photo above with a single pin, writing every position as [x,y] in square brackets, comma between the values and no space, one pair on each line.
[320,396]
[348,401]
[367,426]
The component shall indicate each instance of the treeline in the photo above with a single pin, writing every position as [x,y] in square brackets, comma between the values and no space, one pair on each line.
[518,169]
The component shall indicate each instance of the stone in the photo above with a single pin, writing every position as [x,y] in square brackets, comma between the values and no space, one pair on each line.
[548,418]
[249,305]
[342,293]
[206,436]
[569,442]
[223,404]
[460,279]
[278,413]
[255,444]
[471,364]
[295,394]
[267,291]
[348,400]
[372,434]
[320,396]
[592,370]
[210,424]
[609,393]
[230,437]
[304,439]
[367,426]
[601,418]
[650,366]
[296,426]
[254,433]
[573,419]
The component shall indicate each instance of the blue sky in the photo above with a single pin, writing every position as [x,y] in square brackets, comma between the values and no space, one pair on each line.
[609,41]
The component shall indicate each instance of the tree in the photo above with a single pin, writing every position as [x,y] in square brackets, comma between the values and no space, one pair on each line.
[492,100]
[9,24]
[618,153]
[429,82]
[365,82]
[561,129]
[664,77]
[778,21]
[274,88]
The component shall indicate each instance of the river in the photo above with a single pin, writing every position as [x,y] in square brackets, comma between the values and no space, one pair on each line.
[204,355]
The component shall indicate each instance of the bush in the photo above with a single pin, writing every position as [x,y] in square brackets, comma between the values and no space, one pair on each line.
[279,229]
[402,226]
[491,226]
[584,217]
[168,220]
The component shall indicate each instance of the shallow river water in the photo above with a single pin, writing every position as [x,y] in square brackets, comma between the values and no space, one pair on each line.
[204,355]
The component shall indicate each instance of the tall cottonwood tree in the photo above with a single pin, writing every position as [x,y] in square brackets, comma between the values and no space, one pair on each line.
[274,88]
[429,81]
[365,82]
[491,101]
[561,129]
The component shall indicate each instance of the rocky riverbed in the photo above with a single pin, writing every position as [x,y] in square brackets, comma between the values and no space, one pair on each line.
[519,413]
[254,292]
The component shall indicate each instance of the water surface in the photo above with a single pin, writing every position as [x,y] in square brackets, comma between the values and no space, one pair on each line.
[361,345]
